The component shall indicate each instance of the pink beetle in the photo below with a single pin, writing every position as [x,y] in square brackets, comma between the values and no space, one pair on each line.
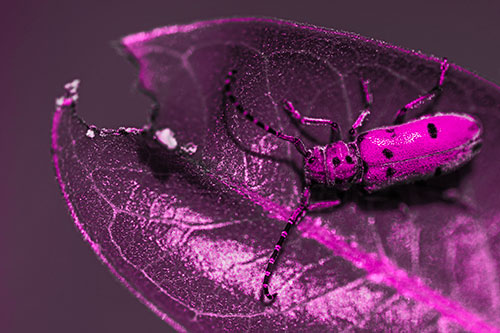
[377,158]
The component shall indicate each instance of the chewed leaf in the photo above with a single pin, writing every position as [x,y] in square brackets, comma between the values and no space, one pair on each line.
[186,213]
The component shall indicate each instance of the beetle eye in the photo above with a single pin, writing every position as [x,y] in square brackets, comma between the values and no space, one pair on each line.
[311,160]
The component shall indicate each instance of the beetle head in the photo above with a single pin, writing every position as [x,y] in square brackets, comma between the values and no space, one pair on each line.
[314,165]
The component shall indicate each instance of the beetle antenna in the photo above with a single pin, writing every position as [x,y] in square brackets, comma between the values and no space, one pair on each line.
[301,148]
[297,214]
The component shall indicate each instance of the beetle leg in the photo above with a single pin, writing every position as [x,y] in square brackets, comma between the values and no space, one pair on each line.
[358,123]
[336,134]
[367,102]
[430,95]
[323,205]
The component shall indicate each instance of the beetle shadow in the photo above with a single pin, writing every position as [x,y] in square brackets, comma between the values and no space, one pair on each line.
[162,162]
[437,188]
[434,189]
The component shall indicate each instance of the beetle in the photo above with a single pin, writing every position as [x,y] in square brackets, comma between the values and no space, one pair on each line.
[400,153]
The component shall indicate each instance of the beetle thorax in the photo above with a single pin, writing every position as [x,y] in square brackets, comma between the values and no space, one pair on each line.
[337,165]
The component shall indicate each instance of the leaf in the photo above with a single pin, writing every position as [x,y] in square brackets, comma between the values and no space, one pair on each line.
[189,228]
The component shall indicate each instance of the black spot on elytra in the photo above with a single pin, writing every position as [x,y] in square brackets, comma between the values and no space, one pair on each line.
[387,153]
[438,171]
[365,167]
[391,131]
[335,161]
[431,128]
[389,173]
[349,160]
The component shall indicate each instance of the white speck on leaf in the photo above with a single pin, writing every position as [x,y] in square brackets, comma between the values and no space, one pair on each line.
[71,94]
[90,133]
[72,86]
[130,130]
[189,148]
[59,101]
[167,138]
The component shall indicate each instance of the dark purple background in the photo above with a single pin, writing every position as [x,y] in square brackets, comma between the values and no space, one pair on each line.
[50,280]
